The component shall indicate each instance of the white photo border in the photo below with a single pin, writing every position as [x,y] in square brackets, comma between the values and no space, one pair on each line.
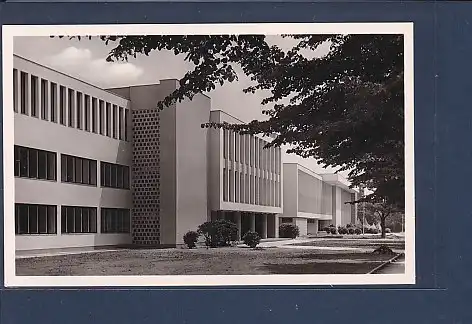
[12,280]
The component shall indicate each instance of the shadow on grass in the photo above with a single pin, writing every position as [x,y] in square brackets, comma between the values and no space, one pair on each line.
[322,268]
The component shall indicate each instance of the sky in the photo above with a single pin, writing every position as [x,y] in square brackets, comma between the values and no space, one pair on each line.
[85,59]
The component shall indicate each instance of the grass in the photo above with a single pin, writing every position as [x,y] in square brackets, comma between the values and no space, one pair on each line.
[398,244]
[201,261]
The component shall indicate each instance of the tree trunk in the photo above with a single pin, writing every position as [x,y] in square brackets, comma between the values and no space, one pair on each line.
[382,226]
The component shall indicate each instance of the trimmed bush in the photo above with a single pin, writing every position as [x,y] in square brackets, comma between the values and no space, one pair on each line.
[191,238]
[349,225]
[251,239]
[351,230]
[388,230]
[218,233]
[288,231]
[374,231]
[358,231]
[342,230]
[327,230]
[334,231]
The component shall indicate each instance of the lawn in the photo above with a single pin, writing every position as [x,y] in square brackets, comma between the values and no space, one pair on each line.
[201,261]
[394,244]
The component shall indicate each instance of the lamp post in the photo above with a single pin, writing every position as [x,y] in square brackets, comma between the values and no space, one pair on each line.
[363,207]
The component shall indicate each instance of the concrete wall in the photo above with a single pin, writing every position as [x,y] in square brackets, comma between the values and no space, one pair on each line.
[290,190]
[309,192]
[192,164]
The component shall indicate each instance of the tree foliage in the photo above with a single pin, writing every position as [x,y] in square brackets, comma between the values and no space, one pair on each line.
[378,213]
[345,109]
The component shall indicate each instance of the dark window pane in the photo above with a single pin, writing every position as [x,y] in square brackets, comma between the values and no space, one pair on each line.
[17,161]
[70,169]
[114,171]
[23,218]
[51,219]
[78,170]
[107,175]
[34,96]
[70,220]
[119,176]
[33,219]
[93,172]
[126,177]
[42,219]
[42,165]
[85,172]
[126,124]
[51,164]
[78,220]
[93,220]
[17,219]
[33,163]
[85,220]
[114,121]
[23,162]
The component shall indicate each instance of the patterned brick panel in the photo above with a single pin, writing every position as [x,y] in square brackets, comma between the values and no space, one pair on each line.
[145,177]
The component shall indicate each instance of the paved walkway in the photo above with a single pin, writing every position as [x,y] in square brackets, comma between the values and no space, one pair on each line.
[394,268]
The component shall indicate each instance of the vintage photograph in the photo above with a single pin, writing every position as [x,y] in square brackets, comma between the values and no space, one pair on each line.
[209,155]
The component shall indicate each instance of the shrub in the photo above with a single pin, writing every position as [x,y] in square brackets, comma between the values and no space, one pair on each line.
[190,238]
[351,230]
[288,231]
[327,230]
[342,230]
[349,225]
[374,231]
[217,233]
[251,239]
[388,230]
[358,231]
[334,231]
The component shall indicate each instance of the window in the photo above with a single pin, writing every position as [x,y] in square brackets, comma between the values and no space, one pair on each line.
[115,220]
[78,170]
[108,119]
[101,118]
[78,219]
[286,220]
[71,107]
[225,185]
[79,110]
[24,93]
[251,150]
[35,219]
[236,147]
[15,90]
[34,96]
[126,124]
[34,164]
[242,188]
[115,113]
[87,113]
[62,105]
[225,143]
[53,102]
[44,99]
[120,124]
[94,115]
[114,175]
[236,191]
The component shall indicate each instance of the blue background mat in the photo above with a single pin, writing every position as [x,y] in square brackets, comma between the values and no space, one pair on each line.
[443,154]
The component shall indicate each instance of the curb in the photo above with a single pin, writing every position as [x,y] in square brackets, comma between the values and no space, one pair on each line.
[386,263]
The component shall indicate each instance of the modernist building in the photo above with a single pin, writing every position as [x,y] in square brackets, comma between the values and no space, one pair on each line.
[96,167]
[313,201]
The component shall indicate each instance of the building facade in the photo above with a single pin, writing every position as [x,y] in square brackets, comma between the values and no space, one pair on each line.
[313,201]
[103,167]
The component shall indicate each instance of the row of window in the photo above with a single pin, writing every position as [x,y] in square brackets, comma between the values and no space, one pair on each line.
[38,164]
[248,189]
[42,219]
[249,150]
[59,104]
